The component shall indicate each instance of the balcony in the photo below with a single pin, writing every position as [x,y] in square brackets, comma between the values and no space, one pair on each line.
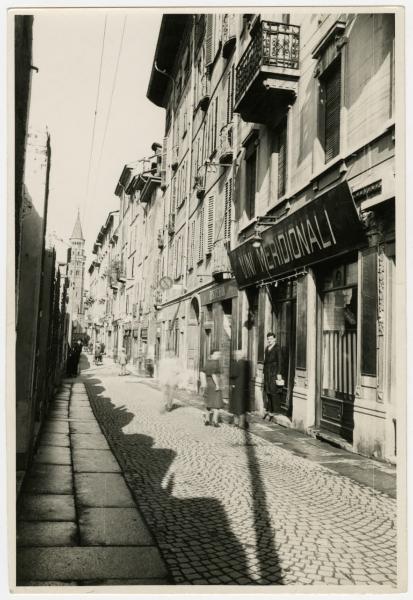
[161,243]
[221,269]
[228,35]
[204,92]
[171,224]
[268,72]
[225,147]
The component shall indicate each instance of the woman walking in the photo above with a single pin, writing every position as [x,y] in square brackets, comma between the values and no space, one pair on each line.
[122,362]
[211,388]
[239,381]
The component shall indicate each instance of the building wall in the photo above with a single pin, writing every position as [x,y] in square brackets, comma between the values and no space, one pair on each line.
[33,229]
[365,158]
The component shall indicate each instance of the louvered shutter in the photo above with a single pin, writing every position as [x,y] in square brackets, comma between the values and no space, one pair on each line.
[215,124]
[201,235]
[282,158]
[163,162]
[230,94]
[209,40]
[228,210]
[210,225]
[332,93]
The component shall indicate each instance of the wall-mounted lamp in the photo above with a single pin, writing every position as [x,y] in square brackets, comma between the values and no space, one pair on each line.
[261,222]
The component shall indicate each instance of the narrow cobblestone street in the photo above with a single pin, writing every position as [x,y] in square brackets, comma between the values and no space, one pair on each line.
[228,507]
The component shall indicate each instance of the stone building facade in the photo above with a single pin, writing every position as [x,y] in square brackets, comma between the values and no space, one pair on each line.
[279,201]
[270,207]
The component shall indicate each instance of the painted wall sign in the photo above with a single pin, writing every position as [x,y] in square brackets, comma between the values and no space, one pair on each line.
[229,289]
[324,227]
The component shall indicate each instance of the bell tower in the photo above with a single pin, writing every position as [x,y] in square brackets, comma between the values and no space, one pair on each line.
[76,272]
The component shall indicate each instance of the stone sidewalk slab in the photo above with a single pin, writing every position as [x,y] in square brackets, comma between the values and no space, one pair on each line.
[87,427]
[53,455]
[81,413]
[55,439]
[113,527]
[46,533]
[107,489]
[94,461]
[46,507]
[83,563]
[56,427]
[49,479]
[91,441]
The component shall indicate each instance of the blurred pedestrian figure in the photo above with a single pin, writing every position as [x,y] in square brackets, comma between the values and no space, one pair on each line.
[211,388]
[77,351]
[170,371]
[102,351]
[271,366]
[97,354]
[122,361]
[239,386]
[70,362]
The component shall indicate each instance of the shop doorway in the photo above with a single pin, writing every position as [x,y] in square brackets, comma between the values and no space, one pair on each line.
[252,342]
[338,349]
[193,336]
[225,344]
[284,310]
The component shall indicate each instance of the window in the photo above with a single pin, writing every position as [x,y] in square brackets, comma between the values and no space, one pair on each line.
[210,225]
[331,102]
[250,180]
[201,235]
[228,210]
[191,246]
[281,141]
[230,94]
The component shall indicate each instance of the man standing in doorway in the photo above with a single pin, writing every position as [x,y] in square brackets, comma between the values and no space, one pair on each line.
[270,375]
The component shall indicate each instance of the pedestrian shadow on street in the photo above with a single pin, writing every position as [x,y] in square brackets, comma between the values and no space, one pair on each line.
[194,534]
[266,551]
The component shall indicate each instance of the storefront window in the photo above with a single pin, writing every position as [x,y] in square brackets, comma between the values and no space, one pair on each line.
[339,332]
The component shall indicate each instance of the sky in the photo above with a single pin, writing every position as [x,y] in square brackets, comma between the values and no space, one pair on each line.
[67,50]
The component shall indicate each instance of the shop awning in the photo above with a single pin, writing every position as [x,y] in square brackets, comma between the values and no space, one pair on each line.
[326,226]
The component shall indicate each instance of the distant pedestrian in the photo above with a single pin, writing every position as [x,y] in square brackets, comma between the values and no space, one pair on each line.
[170,372]
[122,361]
[271,368]
[70,362]
[239,385]
[97,354]
[211,388]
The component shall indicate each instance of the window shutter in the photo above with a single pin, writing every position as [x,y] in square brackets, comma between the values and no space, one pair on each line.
[230,94]
[191,245]
[228,210]
[215,123]
[201,235]
[332,93]
[163,161]
[209,40]
[282,158]
[210,225]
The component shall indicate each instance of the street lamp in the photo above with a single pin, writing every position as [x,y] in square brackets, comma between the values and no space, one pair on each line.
[261,222]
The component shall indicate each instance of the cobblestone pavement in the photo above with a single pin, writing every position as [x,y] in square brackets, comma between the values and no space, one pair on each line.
[227,507]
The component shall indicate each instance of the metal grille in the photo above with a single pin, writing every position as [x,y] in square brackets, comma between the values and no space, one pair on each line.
[273,44]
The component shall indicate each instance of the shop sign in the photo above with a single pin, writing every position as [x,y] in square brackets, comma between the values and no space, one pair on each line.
[229,289]
[326,226]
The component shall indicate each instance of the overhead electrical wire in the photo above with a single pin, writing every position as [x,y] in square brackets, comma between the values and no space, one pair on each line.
[95,115]
[110,104]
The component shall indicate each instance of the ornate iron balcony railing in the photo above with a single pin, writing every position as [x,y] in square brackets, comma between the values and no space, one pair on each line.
[272,45]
